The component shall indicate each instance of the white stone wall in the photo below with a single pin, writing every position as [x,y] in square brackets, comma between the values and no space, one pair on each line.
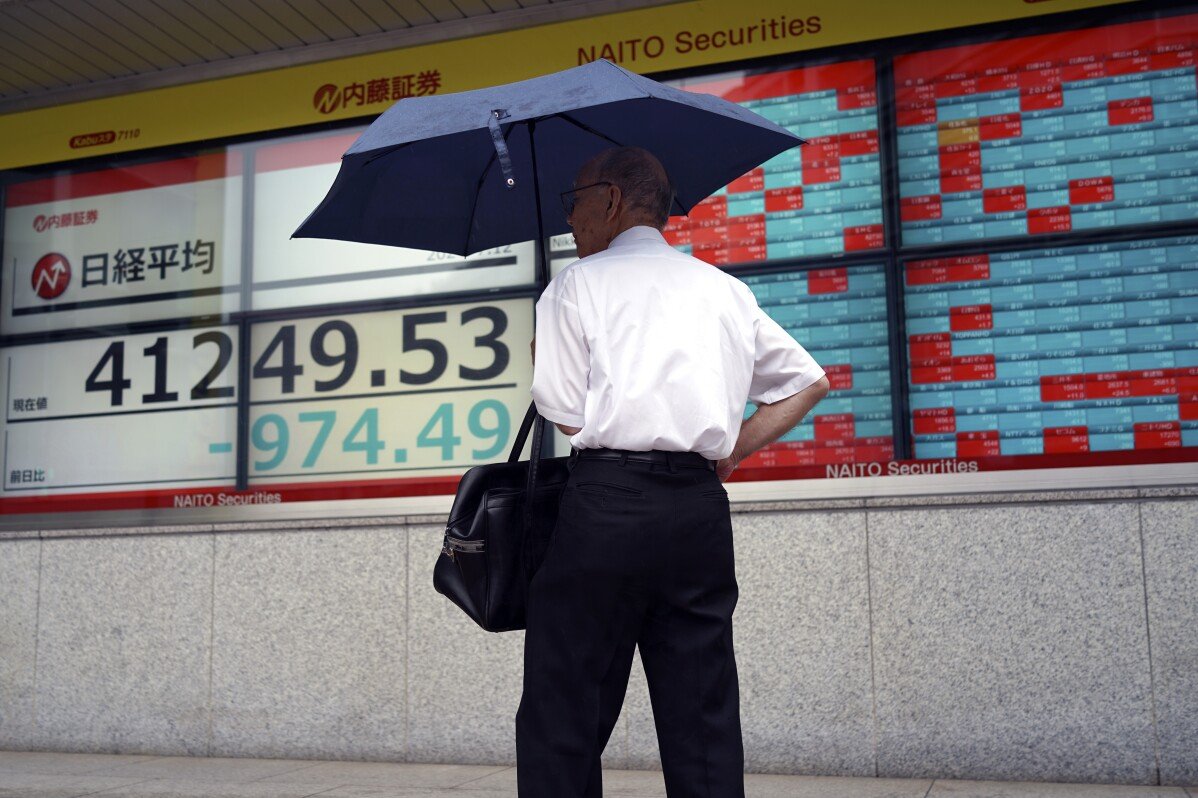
[1028,637]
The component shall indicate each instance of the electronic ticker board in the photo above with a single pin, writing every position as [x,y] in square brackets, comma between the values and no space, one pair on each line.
[413,394]
[1077,350]
[823,198]
[839,316]
[1083,354]
[1070,131]
[128,413]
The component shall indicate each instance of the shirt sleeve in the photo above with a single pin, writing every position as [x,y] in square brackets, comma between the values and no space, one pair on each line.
[781,366]
[562,366]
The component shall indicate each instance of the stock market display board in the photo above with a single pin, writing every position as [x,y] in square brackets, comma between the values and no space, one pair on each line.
[1086,349]
[824,198]
[1020,352]
[1049,134]
[840,317]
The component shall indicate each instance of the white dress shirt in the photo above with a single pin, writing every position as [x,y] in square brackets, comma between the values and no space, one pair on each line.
[643,347]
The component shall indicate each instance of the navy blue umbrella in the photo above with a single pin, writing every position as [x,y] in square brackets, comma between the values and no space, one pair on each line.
[479,169]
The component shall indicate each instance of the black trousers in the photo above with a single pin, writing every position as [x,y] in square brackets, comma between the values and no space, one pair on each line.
[641,557]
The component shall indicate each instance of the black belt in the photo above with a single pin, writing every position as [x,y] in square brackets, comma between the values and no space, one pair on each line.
[671,459]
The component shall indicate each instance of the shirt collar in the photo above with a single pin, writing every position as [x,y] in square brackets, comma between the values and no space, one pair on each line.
[632,235]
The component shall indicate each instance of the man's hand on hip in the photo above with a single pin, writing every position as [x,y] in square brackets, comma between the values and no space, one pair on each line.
[725,467]
[771,422]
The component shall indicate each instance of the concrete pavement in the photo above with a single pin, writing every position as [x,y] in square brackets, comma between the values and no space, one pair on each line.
[62,775]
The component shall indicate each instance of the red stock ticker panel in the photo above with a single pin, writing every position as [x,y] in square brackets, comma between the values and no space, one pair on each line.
[823,198]
[1049,134]
[1075,350]
[840,316]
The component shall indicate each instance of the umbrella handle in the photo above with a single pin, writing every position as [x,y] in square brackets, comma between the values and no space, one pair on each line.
[505,160]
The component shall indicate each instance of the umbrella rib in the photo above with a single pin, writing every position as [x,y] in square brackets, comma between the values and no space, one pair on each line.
[474,204]
[592,131]
[588,129]
[388,151]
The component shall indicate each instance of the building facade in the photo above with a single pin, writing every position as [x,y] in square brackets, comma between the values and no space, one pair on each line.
[229,455]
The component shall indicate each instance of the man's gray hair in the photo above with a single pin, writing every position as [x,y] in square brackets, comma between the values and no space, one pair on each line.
[642,179]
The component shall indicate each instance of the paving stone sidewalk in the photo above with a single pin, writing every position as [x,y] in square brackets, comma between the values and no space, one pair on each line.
[56,775]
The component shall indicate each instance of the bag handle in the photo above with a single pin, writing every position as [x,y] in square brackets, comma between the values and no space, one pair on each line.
[532,420]
[534,463]
[522,435]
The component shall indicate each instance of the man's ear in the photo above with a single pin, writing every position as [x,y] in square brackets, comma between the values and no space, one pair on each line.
[613,202]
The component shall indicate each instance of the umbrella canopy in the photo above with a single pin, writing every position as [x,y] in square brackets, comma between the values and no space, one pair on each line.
[478,169]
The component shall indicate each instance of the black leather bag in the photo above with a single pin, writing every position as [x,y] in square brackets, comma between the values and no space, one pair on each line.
[495,538]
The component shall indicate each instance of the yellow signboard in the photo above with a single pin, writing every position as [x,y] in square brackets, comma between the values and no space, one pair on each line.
[675,36]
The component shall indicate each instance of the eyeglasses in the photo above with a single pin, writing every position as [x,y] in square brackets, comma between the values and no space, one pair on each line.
[568,198]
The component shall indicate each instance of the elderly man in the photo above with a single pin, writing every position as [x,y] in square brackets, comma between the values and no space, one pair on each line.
[645,357]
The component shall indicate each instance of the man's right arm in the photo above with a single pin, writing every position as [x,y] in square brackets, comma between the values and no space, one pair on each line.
[771,422]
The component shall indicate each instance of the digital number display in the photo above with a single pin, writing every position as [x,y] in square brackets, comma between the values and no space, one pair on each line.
[839,316]
[104,414]
[1061,351]
[823,198]
[419,392]
[1049,134]
[417,396]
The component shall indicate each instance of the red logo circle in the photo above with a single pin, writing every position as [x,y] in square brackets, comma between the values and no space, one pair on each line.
[327,98]
[51,274]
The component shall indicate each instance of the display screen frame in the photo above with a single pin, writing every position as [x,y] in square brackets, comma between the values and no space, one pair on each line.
[756,487]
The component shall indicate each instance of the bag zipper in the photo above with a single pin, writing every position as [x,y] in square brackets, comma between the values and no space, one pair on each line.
[464,546]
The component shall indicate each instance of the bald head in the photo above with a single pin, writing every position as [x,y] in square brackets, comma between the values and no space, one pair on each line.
[642,181]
